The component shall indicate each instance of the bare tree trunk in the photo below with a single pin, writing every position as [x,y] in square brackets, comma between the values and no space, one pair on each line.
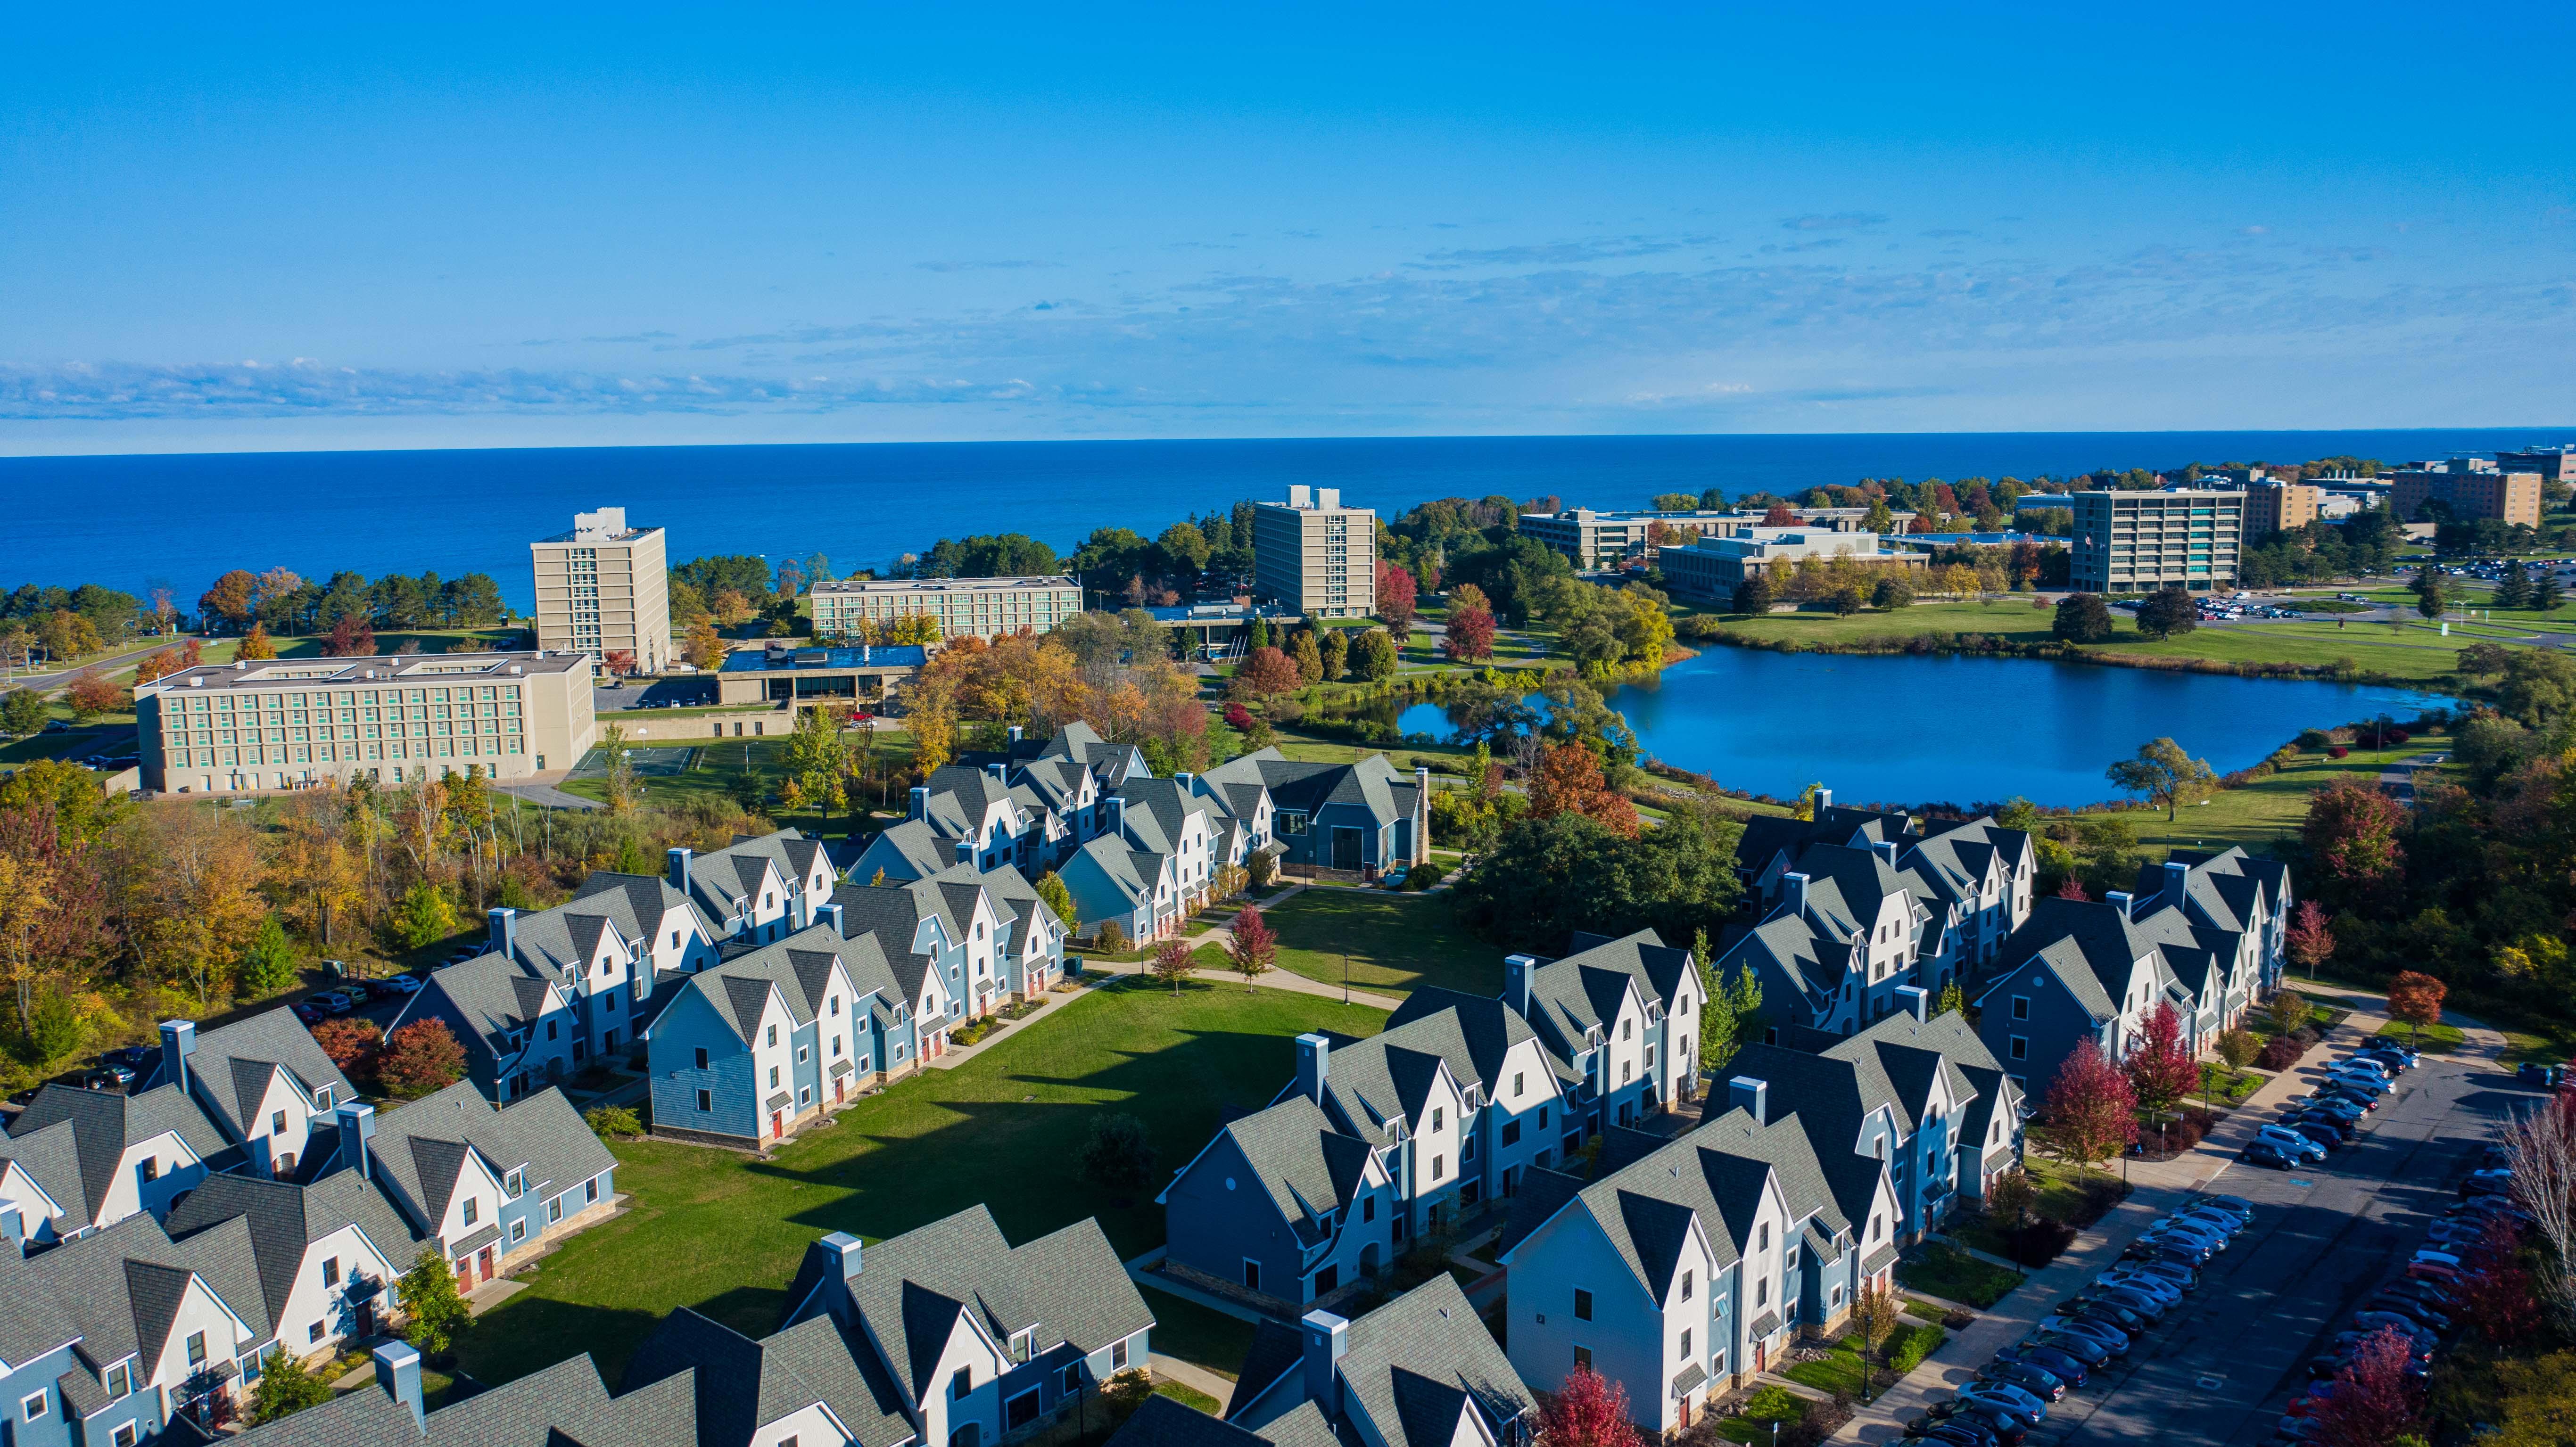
[2540,1145]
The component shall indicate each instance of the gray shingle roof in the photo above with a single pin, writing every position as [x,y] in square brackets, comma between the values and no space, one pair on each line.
[893,913]
[1371,784]
[1414,1364]
[117,1291]
[740,1384]
[102,1125]
[563,1405]
[494,995]
[641,905]
[1307,1169]
[1162,1422]
[1069,1285]
[270,1038]
[797,968]
[420,1148]
[909,850]
[284,1218]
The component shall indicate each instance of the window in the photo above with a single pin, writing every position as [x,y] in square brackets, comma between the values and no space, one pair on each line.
[330,1271]
[1874,1224]
[34,1407]
[123,1436]
[1118,1356]
[1542,1117]
[553,1028]
[1368,1208]
[1762,1291]
[554,1210]
[1251,1274]
[1687,1285]
[518,1230]
[962,1383]
[2021,1007]
[1583,1358]
[1686,1351]
[120,1380]
[1511,1133]
[313,1334]
[2020,1048]
[1516,1084]
[277,1122]
[1072,1378]
[1439,1117]
[706,1101]
[590,1191]
[473,1209]
[149,1168]
[1627,1029]
[702,1057]
[800,1054]
[1762,1237]
[773,1077]
[196,1349]
[1582,1304]
[773,1034]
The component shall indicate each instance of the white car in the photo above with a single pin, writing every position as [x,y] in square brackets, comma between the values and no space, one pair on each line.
[399,984]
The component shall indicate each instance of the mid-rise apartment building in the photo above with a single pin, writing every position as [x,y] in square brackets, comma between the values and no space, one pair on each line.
[2470,488]
[983,607]
[603,589]
[1606,539]
[1316,555]
[289,722]
[2277,507]
[2137,542]
[1711,567]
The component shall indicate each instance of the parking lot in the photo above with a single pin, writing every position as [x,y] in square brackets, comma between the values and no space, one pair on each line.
[2223,1365]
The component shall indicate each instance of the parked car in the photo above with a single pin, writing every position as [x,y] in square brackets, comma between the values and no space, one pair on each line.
[2171,1250]
[2037,1381]
[355,991]
[329,1002]
[2419,1343]
[131,1056]
[2544,1076]
[2325,1130]
[2102,1310]
[2297,1146]
[2265,1153]
[309,1013]
[2216,1217]
[2405,1326]
[2172,1273]
[2164,1293]
[2004,1396]
[109,1077]
[2111,1337]
[2434,1271]
[2213,1237]
[2064,1366]
[2494,1182]
[2424,1316]
[400,984]
[2084,1349]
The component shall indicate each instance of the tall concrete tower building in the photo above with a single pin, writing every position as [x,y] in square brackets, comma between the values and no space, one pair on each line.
[604,588]
[1316,555]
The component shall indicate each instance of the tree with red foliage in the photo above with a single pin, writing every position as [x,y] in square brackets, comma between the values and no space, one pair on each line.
[2416,998]
[2073,888]
[2351,833]
[352,1043]
[1780,516]
[1568,781]
[2161,1069]
[1590,1410]
[1470,637]
[1395,598]
[50,885]
[618,661]
[157,667]
[2374,1402]
[1238,718]
[92,694]
[2497,1295]
[1266,671]
[350,638]
[1255,946]
[2092,1114]
[420,1059]
[2311,937]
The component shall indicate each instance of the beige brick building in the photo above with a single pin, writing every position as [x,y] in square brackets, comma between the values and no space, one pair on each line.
[2277,507]
[604,588]
[289,722]
[1315,555]
[984,607]
[2469,492]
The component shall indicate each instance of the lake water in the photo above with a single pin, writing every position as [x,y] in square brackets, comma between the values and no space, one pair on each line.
[134,522]
[1919,729]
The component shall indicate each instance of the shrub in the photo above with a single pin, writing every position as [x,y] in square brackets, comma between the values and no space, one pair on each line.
[1425,875]
[1913,1347]
[1119,1154]
[1818,1427]
[1774,1404]
[2041,1242]
[353,1043]
[2279,1054]
[2238,1047]
[420,1059]
[1110,938]
[608,1121]
[2337,752]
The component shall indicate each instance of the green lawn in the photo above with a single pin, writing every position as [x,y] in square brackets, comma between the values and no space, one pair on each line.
[2226,1087]
[1395,942]
[1188,1396]
[1940,1269]
[1840,1372]
[2270,808]
[2440,1039]
[716,1231]
[1768,1407]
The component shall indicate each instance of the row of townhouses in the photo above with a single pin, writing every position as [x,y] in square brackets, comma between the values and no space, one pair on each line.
[242,1202]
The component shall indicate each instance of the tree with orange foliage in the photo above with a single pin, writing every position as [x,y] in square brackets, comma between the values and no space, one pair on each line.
[2416,998]
[92,694]
[350,638]
[1568,781]
[1266,671]
[256,645]
[156,667]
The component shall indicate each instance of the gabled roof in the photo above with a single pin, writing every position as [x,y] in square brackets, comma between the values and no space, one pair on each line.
[640,904]
[1374,1088]
[1112,764]
[284,1218]
[1305,1168]
[1371,784]
[893,913]
[1156,812]
[1132,872]
[564,1405]
[797,969]
[494,995]
[1163,1422]
[1769,836]
[2089,947]
[909,850]
[960,799]
[1017,902]
[740,1385]
[728,881]
[118,1291]
[1068,1285]
[235,1063]
[1409,1369]
[1572,996]
[419,1148]
[1477,1034]
[99,1126]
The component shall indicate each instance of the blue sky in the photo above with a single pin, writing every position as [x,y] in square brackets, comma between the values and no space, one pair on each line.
[298,229]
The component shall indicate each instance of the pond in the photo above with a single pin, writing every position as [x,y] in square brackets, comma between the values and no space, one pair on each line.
[1919,728]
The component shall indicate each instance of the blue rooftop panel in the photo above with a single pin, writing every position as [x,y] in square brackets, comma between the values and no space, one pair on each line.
[791,660]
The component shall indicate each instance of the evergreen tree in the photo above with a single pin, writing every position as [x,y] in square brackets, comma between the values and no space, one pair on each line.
[2513,590]
[1310,658]
[1260,633]
[2546,593]
[2428,592]
[268,966]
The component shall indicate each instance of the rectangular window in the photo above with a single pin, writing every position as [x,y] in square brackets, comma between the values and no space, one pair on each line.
[1251,1274]
[1582,1304]
[1686,1285]
[1438,1118]
[1511,1133]
[120,1380]
[706,1101]
[34,1406]
[702,1057]
[554,1210]
[2021,1007]
[1583,1357]
[313,1333]
[149,1168]
[277,1122]
[2020,1048]
[330,1271]
[1118,1356]
[962,1383]
[516,1185]
[123,1436]
[590,1191]
[473,1209]
[518,1230]
[196,1349]
[1686,1344]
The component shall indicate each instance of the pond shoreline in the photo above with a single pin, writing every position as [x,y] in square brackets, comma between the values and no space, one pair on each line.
[1982,645]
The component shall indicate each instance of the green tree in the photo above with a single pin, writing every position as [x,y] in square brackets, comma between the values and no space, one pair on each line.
[1260,634]
[2082,618]
[2428,592]
[1310,658]
[286,1388]
[1336,650]
[2167,612]
[424,917]
[2165,775]
[1954,1000]
[1055,896]
[1892,591]
[1732,1012]
[428,1297]
[1373,659]
[22,711]
[2513,589]
[1753,596]
[818,762]
[268,966]
[2546,593]
[1118,1154]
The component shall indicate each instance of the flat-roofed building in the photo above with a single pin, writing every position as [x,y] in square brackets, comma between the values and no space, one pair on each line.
[1711,568]
[2137,542]
[1315,555]
[2554,464]
[604,589]
[1606,539]
[1838,519]
[2277,507]
[2470,492]
[984,607]
[289,722]
[854,676]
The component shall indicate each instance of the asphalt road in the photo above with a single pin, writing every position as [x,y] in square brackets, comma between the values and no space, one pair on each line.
[2222,1368]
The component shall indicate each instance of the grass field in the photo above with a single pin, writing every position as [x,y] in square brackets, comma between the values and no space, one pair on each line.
[2440,1039]
[2270,808]
[713,1230]
[1940,1269]
[1395,942]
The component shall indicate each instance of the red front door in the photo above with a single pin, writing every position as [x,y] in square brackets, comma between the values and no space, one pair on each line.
[777,1125]
[483,1259]
[836,1092]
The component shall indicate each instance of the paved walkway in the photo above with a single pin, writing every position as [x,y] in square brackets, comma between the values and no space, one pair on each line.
[1222,937]
[1174,1369]
[2156,1188]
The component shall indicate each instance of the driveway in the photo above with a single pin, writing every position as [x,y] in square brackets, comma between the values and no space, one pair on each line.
[2225,1365]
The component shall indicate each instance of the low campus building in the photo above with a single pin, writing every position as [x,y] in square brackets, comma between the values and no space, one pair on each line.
[982,607]
[261,1080]
[290,722]
[859,677]
[1620,1020]
[1710,569]
[486,1184]
[1590,539]
[1356,820]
